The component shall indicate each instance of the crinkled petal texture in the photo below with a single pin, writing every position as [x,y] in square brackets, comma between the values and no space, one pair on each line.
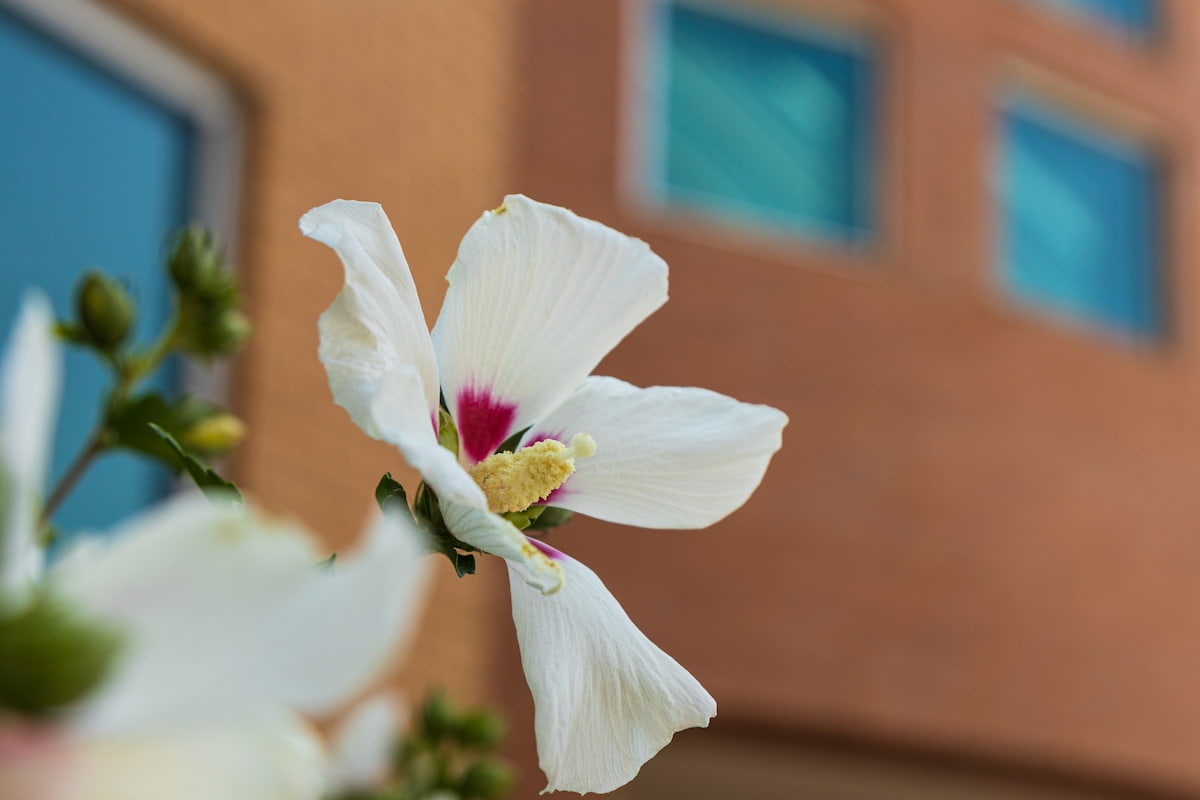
[606,698]
[29,394]
[375,324]
[537,297]
[396,414]
[224,612]
[666,456]
[272,756]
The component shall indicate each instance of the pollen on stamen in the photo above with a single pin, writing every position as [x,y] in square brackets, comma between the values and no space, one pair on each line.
[515,481]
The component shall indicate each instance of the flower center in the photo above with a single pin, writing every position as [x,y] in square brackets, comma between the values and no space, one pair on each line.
[515,481]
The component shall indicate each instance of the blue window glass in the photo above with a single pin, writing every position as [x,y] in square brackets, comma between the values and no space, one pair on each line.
[1136,17]
[92,174]
[1079,211]
[764,123]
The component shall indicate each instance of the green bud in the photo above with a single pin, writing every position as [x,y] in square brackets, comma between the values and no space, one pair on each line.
[214,435]
[222,335]
[194,264]
[438,716]
[485,779]
[479,728]
[51,656]
[105,310]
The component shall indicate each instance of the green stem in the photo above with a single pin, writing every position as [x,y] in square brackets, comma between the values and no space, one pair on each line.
[152,358]
[127,377]
[95,447]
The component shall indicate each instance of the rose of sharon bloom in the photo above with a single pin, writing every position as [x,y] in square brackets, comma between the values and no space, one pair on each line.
[225,626]
[537,297]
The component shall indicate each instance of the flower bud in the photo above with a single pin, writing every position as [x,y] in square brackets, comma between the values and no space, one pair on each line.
[437,716]
[50,656]
[105,309]
[194,264]
[226,334]
[479,728]
[215,435]
[488,778]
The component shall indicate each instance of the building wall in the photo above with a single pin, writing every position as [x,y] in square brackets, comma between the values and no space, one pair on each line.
[407,104]
[980,537]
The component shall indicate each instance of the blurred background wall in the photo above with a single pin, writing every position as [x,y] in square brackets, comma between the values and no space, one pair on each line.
[954,241]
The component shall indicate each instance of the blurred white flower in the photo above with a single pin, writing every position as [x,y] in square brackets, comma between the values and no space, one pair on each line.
[537,297]
[225,627]
[30,376]
[360,747]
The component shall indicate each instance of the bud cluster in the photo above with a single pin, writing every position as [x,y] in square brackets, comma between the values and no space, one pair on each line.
[211,320]
[449,753]
[208,322]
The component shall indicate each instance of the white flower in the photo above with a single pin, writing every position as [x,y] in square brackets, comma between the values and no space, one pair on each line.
[226,628]
[537,297]
[361,746]
[30,376]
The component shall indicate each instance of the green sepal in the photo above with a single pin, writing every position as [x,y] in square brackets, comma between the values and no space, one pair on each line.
[447,432]
[550,518]
[213,485]
[390,496]
[51,655]
[510,444]
[524,519]
[464,563]
[428,516]
[327,563]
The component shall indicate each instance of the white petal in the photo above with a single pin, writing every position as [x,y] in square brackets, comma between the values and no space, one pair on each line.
[30,380]
[606,698]
[274,756]
[223,611]
[397,414]
[666,456]
[537,297]
[361,746]
[375,324]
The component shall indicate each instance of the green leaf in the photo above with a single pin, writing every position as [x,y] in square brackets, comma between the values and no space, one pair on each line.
[129,423]
[213,485]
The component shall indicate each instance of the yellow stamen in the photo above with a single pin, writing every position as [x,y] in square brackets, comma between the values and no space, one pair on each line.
[515,481]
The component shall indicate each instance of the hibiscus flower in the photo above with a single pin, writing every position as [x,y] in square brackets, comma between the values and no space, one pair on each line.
[537,297]
[168,658]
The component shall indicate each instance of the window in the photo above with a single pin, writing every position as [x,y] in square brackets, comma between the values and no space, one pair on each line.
[765,122]
[96,171]
[1135,17]
[1078,210]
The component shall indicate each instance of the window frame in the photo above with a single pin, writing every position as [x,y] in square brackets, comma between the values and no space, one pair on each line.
[183,85]
[641,138]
